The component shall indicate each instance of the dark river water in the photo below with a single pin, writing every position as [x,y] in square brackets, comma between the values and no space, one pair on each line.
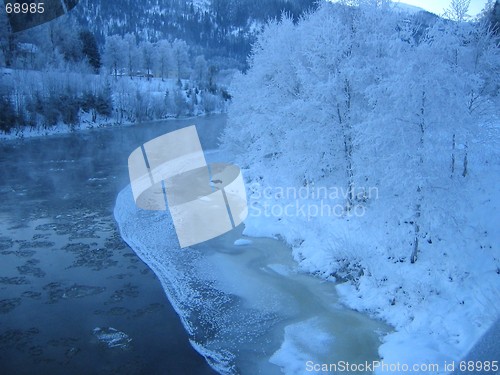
[64,268]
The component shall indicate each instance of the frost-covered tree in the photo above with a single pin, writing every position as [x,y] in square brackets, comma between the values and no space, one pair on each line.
[363,96]
[64,34]
[494,17]
[457,10]
[114,53]
[164,51]
[149,57]
[317,88]
[133,57]
[180,52]
[200,71]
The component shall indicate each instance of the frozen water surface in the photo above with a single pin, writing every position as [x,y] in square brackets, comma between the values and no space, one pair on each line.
[64,268]
[247,308]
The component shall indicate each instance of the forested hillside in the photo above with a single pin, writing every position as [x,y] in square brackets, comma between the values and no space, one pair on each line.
[222,28]
[127,61]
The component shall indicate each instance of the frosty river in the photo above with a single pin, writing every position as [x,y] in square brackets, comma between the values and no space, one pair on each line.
[66,272]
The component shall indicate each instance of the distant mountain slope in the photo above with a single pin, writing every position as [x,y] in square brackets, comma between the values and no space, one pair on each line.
[218,27]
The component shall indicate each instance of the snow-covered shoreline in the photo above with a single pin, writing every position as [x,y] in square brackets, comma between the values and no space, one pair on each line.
[62,129]
[436,320]
[439,306]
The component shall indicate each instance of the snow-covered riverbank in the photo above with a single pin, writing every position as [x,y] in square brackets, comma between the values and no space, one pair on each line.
[440,305]
[85,125]
[369,152]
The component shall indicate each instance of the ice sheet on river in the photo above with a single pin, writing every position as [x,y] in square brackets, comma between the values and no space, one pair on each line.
[236,302]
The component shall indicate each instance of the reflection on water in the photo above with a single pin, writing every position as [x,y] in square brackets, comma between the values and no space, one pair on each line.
[64,269]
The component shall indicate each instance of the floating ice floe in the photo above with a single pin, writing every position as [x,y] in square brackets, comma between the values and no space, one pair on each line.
[242,242]
[112,337]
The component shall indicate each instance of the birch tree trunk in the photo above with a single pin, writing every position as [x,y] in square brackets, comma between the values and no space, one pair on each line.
[345,124]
